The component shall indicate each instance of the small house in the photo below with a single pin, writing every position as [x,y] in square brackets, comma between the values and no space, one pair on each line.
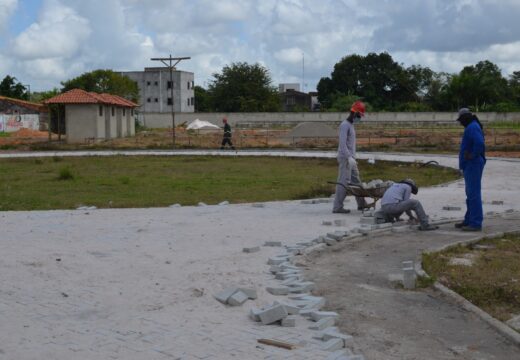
[16,114]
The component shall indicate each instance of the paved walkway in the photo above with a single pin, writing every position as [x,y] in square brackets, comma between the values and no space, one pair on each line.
[138,283]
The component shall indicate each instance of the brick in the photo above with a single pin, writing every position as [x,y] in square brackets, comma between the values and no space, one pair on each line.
[273,243]
[291,309]
[238,298]
[318,315]
[254,314]
[272,314]
[323,323]
[289,321]
[250,293]
[409,278]
[451,208]
[333,345]
[251,249]
[224,295]
[281,290]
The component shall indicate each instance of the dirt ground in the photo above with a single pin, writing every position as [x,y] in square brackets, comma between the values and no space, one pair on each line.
[388,322]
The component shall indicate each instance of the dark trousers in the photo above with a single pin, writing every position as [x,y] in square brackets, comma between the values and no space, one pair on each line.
[227,140]
[473,180]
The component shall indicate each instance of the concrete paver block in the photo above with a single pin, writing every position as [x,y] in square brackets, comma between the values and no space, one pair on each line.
[368,220]
[250,293]
[273,243]
[326,223]
[224,295]
[497,202]
[272,314]
[329,241]
[254,314]
[275,268]
[318,315]
[323,323]
[291,309]
[340,222]
[407,264]
[451,208]
[251,249]
[276,261]
[333,334]
[333,345]
[409,278]
[342,354]
[289,321]
[238,298]
[202,204]
[280,290]
[258,205]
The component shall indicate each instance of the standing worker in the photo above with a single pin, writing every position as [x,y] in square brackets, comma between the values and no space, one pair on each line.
[472,159]
[348,172]
[227,135]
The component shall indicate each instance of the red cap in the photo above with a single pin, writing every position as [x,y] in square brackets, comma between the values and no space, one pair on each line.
[224,119]
[359,107]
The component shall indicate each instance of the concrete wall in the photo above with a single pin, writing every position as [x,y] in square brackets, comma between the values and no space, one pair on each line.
[12,123]
[81,122]
[156,120]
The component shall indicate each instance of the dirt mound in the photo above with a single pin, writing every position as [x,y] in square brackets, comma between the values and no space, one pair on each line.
[29,133]
[310,129]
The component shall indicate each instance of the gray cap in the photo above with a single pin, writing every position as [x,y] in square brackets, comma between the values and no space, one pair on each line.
[463,111]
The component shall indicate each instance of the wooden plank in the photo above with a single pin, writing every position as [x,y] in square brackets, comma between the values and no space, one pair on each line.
[278,343]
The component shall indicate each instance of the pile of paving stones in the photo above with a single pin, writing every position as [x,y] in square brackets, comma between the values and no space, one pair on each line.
[236,296]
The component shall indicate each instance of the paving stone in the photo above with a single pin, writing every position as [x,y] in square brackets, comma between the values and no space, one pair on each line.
[333,334]
[284,275]
[202,204]
[254,314]
[407,264]
[291,309]
[238,298]
[409,278]
[451,208]
[275,268]
[323,323]
[368,220]
[251,249]
[276,261]
[326,223]
[305,285]
[307,313]
[224,295]
[250,293]
[258,205]
[272,314]
[304,244]
[289,321]
[281,290]
[333,345]
[318,315]
[223,203]
[340,222]
[273,243]
[290,280]
[339,355]
[497,202]
[329,241]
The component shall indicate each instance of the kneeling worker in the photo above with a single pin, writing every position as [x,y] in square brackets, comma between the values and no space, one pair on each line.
[396,201]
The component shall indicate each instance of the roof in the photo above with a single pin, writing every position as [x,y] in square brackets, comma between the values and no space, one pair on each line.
[27,104]
[78,96]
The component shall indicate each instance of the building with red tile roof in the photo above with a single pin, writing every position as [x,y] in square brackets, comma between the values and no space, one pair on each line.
[16,114]
[90,116]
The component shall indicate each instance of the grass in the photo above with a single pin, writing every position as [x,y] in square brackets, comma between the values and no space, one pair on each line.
[491,283]
[68,182]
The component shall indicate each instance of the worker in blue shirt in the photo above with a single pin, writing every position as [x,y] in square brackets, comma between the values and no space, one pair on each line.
[471,161]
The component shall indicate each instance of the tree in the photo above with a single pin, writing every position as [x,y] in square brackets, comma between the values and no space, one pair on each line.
[41,96]
[203,99]
[104,81]
[10,88]
[243,87]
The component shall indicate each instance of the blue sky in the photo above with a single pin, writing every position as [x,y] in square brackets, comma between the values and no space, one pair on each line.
[44,42]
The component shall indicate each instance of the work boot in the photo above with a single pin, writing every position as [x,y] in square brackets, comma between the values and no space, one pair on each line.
[459,225]
[427,227]
[341,211]
[470,228]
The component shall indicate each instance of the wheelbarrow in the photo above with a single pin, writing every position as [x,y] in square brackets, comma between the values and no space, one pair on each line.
[375,193]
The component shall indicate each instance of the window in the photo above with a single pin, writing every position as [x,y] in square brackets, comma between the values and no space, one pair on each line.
[100,110]
[149,100]
[170,101]
[188,101]
[156,83]
[189,85]
[113,111]
[148,83]
[156,100]
[192,101]
[169,85]
[124,112]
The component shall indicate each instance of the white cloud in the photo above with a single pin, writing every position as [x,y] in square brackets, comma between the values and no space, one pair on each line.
[291,55]
[7,8]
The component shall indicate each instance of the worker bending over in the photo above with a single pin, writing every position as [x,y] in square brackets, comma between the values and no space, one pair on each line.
[396,201]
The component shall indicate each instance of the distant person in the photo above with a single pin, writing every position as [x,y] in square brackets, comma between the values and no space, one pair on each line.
[348,172]
[472,159]
[396,201]
[227,135]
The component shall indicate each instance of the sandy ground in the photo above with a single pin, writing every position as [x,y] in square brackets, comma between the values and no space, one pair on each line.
[138,283]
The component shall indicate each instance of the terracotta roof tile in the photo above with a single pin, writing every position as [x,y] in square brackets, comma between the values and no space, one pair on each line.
[28,104]
[78,96]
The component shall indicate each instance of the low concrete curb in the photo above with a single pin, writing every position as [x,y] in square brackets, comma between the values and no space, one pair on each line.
[498,325]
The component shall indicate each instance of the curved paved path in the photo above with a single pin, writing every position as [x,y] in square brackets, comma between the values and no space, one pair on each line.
[138,283]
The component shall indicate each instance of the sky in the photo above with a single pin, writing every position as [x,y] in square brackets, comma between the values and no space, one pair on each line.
[44,42]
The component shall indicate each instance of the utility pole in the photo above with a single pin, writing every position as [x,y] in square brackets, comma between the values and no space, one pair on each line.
[170,62]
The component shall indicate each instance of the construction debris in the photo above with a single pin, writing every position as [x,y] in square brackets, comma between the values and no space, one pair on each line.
[235,296]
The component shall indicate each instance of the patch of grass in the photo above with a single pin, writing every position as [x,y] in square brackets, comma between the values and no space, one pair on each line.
[492,282]
[142,181]
[425,281]
[57,158]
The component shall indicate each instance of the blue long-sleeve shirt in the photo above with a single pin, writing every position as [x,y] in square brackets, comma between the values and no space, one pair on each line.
[472,144]
[347,140]
[396,193]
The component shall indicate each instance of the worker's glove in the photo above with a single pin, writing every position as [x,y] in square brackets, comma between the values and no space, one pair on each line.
[467,155]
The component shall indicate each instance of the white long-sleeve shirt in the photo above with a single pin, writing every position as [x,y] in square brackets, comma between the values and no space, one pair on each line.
[396,193]
[347,140]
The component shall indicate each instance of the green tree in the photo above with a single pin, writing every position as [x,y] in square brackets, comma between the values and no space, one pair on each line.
[203,99]
[9,87]
[41,96]
[243,87]
[104,81]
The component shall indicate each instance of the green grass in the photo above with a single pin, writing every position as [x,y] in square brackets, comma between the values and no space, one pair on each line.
[69,182]
[492,283]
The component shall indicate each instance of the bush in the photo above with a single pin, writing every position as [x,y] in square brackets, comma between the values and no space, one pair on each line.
[65,174]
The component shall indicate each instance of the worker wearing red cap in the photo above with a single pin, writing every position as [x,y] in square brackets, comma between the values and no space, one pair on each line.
[227,135]
[348,172]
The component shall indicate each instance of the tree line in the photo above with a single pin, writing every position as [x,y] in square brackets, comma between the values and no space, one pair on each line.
[384,84]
